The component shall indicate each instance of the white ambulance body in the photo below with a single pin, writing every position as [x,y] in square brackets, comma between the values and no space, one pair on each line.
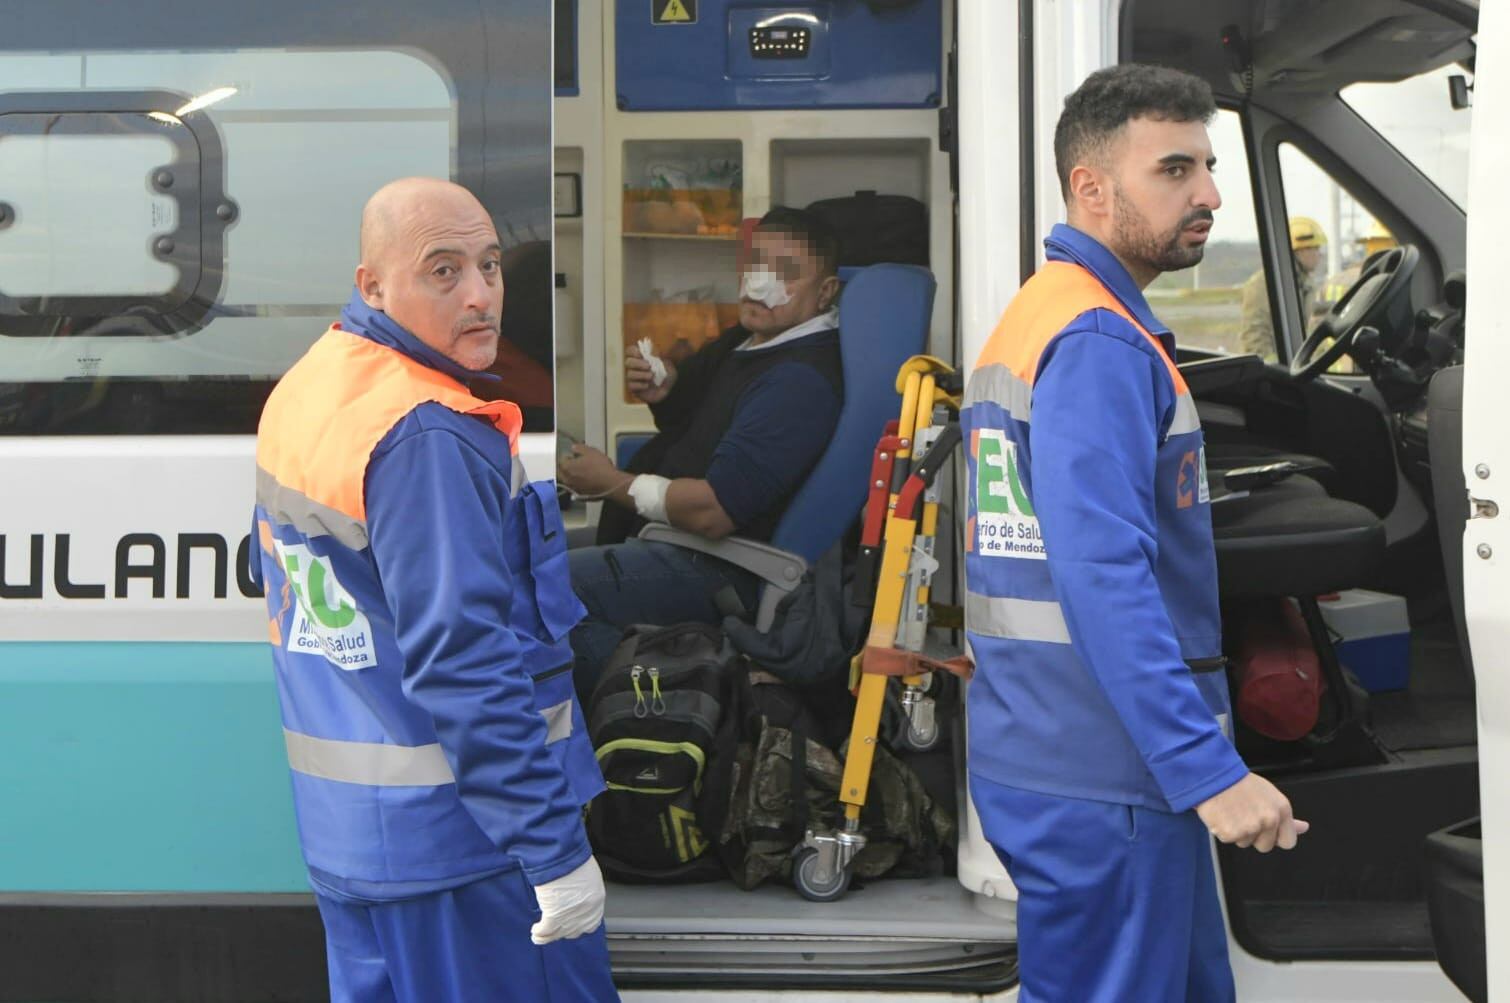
[179,190]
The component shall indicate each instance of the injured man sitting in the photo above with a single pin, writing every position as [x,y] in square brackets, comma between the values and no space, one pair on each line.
[740,423]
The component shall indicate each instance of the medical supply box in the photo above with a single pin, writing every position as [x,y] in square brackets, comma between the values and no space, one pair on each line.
[1372,637]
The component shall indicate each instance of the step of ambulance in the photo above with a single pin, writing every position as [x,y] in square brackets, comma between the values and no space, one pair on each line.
[923,933]
[1355,886]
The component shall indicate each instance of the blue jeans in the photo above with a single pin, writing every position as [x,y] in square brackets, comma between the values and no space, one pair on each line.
[641,582]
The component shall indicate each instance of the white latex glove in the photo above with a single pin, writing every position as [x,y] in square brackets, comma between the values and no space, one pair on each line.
[657,365]
[570,906]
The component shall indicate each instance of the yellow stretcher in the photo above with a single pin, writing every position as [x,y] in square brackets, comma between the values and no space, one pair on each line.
[901,523]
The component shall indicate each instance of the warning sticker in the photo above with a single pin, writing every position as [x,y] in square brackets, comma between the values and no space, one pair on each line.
[673,11]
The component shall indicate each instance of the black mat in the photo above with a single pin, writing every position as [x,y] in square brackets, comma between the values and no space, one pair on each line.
[1386,929]
[1437,711]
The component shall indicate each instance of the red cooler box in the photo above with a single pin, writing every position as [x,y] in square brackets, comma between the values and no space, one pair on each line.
[1374,639]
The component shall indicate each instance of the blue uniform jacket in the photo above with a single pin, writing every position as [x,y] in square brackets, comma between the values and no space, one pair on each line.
[423,667]
[1092,607]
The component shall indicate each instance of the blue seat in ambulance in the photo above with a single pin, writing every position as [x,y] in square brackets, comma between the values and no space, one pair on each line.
[884,312]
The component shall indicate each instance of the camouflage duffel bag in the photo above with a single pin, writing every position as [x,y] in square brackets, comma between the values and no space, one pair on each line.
[785,782]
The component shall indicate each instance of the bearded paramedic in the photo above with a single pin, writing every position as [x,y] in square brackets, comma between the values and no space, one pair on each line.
[1098,759]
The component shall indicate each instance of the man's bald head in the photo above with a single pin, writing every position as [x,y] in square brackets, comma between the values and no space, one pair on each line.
[430,261]
[397,203]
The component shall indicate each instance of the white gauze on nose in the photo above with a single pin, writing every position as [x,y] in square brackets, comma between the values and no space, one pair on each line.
[761,285]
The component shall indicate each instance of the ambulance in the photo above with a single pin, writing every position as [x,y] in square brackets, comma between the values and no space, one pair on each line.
[180,185]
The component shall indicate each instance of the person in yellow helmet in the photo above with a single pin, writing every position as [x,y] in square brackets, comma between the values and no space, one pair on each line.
[1307,244]
[1375,240]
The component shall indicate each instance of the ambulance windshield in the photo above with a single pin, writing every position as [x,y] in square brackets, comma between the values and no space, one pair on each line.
[1417,118]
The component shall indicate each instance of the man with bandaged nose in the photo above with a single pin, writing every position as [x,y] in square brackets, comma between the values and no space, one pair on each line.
[740,424]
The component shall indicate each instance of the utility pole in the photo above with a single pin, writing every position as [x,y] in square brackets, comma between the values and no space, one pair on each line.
[1334,242]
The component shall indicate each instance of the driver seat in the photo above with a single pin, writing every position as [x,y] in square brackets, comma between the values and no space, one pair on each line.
[1290,539]
[1223,456]
[1293,539]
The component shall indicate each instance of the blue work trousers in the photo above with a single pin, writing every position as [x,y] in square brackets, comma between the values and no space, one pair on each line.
[461,945]
[642,582]
[1116,903]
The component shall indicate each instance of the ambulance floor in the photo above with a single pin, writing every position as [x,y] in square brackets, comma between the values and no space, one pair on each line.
[1437,710]
[896,931]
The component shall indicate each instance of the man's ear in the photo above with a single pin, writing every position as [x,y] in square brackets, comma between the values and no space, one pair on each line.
[1090,191]
[828,292]
[370,287]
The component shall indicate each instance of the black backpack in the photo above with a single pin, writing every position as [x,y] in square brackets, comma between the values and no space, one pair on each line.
[664,722]
[875,228]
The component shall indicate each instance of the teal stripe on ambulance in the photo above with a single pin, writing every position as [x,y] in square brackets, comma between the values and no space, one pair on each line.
[144,767]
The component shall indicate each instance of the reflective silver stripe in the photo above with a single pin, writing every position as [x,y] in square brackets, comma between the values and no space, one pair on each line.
[1186,417]
[558,722]
[1015,619]
[372,763]
[996,384]
[292,508]
[518,477]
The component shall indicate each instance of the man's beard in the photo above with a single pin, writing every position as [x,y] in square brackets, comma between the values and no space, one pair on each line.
[1161,252]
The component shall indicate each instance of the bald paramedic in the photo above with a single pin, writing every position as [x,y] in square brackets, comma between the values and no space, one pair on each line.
[419,612]
[1099,756]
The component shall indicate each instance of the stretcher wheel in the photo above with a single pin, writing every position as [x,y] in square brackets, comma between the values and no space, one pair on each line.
[923,741]
[805,877]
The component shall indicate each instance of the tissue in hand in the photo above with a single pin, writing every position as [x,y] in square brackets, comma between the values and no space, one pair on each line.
[657,367]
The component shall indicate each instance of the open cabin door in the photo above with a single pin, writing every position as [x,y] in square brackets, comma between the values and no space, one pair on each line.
[1486,462]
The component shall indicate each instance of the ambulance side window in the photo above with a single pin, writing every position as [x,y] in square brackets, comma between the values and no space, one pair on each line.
[1204,305]
[179,219]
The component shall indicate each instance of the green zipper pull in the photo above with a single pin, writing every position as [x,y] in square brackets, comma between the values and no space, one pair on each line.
[639,695]
[657,705]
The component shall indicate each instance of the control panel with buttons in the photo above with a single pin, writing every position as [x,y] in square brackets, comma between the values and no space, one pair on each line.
[780,43]
[764,54]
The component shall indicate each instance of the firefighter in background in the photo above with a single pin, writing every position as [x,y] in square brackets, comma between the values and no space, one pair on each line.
[1376,241]
[1099,761]
[1307,248]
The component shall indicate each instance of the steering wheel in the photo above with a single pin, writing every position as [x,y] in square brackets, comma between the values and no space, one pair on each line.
[1365,304]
